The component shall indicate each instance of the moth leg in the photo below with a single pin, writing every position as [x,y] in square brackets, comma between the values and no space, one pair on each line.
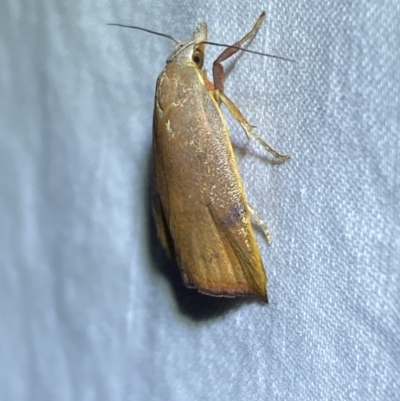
[218,68]
[248,129]
[261,223]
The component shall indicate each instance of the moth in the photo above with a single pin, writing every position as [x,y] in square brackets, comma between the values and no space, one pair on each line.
[202,217]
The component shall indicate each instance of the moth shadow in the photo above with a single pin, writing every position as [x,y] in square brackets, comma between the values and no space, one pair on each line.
[191,303]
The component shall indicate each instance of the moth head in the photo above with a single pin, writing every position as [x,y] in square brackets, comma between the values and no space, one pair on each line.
[193,50]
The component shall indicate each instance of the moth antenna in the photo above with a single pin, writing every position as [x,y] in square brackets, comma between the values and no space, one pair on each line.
[206,42]
[250,51]
[149,31]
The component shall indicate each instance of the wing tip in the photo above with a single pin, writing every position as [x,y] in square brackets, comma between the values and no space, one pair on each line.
[256,287]
[258,293]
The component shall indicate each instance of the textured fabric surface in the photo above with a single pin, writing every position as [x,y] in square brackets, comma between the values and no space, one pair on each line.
[90,308]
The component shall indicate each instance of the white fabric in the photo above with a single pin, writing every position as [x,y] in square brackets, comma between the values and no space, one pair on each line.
[86,313]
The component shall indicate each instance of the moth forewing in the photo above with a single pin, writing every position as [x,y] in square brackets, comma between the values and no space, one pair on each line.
[203,206]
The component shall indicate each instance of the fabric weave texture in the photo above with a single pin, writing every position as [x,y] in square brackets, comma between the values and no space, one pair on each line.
[90,307]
